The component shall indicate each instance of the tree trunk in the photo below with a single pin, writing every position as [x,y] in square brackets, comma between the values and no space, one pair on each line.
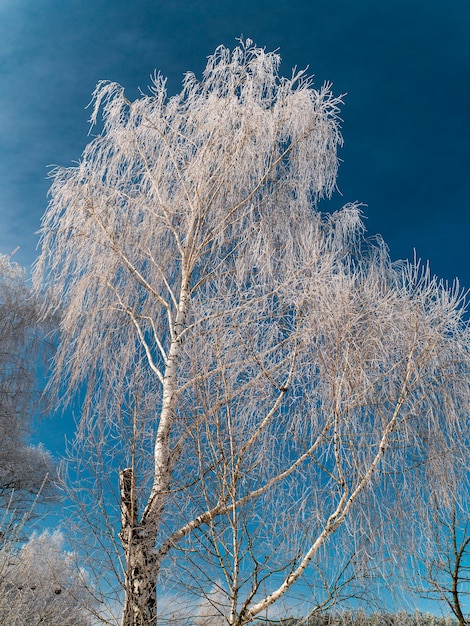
[140,604]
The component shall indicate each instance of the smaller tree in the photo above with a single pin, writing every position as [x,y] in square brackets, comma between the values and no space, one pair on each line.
[25,470]
[41,584]
[445,558]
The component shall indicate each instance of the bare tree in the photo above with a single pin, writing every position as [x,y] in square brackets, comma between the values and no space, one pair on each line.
[442,551]
[259,369]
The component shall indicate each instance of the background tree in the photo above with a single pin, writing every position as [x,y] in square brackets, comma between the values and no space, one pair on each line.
[442,558]
[41,584]
[258,371]
[24,469]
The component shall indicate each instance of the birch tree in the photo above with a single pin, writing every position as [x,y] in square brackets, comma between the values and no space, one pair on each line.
[258,369]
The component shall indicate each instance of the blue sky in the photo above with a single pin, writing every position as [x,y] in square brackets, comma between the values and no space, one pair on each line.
[404,65]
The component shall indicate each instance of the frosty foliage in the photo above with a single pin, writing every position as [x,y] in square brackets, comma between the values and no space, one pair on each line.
[23,467]
[40,583]
[267,372]
[218,169]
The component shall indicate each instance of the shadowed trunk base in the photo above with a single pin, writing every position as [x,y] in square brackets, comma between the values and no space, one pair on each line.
[140,605]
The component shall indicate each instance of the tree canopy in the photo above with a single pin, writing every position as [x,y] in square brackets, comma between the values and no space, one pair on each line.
[265,376]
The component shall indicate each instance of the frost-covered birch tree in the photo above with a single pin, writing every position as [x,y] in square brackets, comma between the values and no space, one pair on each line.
[258,371]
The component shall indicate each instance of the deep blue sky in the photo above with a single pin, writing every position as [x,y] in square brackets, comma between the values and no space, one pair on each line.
[404,65]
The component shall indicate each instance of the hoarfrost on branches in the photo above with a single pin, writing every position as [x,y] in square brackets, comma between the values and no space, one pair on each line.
[259,369]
